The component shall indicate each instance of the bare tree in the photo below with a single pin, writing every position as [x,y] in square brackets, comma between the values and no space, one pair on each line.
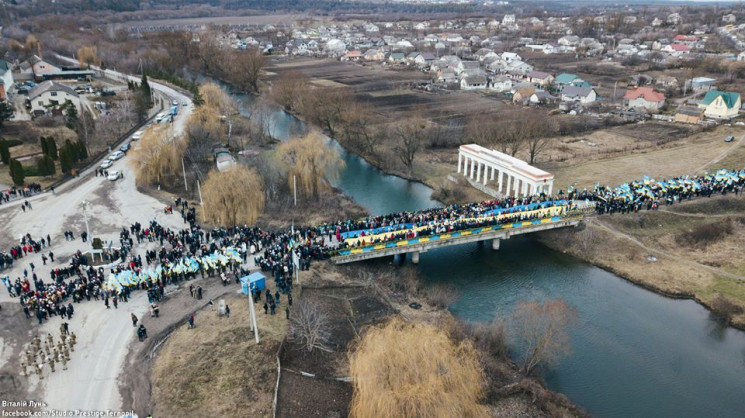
[289,88]
[309,325]
[326,107]
[541,331]
[312,162]
[87,56]
[357,128]
[245,68]
[411,136]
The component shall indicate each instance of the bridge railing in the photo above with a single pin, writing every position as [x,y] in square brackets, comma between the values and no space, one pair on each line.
[574,214]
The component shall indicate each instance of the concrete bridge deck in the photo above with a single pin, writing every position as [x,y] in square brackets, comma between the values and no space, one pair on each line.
[418,245]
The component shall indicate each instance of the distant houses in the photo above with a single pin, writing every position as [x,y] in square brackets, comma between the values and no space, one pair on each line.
[583,95]
[6,79]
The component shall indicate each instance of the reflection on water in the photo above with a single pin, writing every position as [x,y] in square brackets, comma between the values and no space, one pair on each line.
[634,353]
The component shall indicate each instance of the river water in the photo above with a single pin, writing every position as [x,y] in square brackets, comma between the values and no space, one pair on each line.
[634,353]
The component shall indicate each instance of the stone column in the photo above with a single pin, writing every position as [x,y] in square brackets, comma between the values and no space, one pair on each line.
[508,190]
[478,172]
[460,160]
[550,186]
[495,244]
[415,257]
[493,169]
[499,176]
[486,172]
[473,163]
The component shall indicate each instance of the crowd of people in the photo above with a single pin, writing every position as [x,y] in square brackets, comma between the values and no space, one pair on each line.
[19,193]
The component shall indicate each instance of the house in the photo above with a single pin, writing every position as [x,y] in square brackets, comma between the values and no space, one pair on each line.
[373,55]
[352,56]
[518,69]
[720,104]
[424,59]
[584,95]
[644,97]
[500,83]
[566,79]
[688,40]
[673,18]
[49,95]
[6,79]
[508,20]
[540,97]
[397,57]
[522,95]
[700,83]
[539,78]
[676,49]
[741,56]
[473,82]
[447,76]
[568,40]
[729,18]
[510,56]
[38,66]
[689,115]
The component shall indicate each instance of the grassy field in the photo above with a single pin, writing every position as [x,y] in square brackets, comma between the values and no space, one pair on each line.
[219,359]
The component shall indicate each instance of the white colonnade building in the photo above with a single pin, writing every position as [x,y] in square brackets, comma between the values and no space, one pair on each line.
[508,175]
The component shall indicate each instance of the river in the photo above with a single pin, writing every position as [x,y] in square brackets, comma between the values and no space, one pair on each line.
[634,353]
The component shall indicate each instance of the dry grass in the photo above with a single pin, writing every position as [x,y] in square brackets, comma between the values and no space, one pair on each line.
[415,369]
[216,369]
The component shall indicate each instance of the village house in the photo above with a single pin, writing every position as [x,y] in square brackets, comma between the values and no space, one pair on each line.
[676,49]
[48,96]
[720,104]
[700,83]
[397,58]
[6,79]
[583,95]
[729,19]
[522,95]
[540,79]
[352,56]
[473,82]
[644,97]
[37,66]
[541,97]
[501,83]
[373,55]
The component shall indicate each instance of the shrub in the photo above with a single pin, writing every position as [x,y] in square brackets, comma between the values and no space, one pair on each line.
[725,307]
[705,234]
[4,152]
[16,172]
[442,295]
[45,166]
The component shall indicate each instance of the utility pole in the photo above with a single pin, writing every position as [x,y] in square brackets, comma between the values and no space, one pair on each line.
[87,229]
[294,187]
[253,314]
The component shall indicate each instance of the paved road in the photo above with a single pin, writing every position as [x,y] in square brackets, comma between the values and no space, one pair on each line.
[103,335]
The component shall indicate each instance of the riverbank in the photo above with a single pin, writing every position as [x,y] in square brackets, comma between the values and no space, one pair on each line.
[689,250]
[220,354]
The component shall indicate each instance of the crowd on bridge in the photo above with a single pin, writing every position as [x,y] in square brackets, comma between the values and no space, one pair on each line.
[15,193]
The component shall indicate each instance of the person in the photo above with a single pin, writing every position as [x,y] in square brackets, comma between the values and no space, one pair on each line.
[191,321]
[51,254]
[70,310]
[266,308]
[134,320]
[142,332]
[65,328]
[289,299]
[199,293]
[227,311]
[287,312]
[211,304]
[116,302]
[276,296]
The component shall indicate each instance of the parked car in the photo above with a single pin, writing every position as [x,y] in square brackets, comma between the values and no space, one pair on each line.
[136,136]
[117,155]
[174,102]
[185,103]
[115,175]
[729,138]
[106,164]
[125,147]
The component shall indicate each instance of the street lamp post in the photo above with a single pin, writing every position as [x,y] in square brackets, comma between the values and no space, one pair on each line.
[89,238]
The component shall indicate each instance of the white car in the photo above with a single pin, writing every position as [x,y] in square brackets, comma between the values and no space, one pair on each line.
[137,135]
[106,164]
[117,155]
[175,102]
[115,175]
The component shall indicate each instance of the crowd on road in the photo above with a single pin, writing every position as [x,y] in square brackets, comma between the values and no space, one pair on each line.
[15,193]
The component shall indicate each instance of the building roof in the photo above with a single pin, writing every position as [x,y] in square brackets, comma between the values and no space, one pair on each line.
[574,91]
[730,99]
[539,75]
[680,47]
[565,78]
[475,79]
[398,56]
[647,93]
[50,86]
[690,111]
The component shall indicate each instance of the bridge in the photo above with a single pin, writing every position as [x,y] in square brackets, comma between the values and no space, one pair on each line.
[494,233]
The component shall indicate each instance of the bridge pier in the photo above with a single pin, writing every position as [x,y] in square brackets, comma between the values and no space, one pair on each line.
[415,257]
[495,244]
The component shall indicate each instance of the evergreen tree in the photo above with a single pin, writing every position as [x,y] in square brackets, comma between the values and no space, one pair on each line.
[72,152]
[64,160]
[52,147]
[16,172]
[6,112]
[45,165]
[44,148]
[71,114]
[146,91]
[4,152]
[82,150]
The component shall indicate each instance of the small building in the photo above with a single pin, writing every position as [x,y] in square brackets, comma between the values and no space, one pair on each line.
[720,104]
[689,115]
[566,79]
[700,83]
[397,57]
[38,66]
[541,97]
[6,79]
[352,56]
[500,83]
[584,95]
[473,82]
[644,97]
[49,95]
[539,78]
[373,55]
